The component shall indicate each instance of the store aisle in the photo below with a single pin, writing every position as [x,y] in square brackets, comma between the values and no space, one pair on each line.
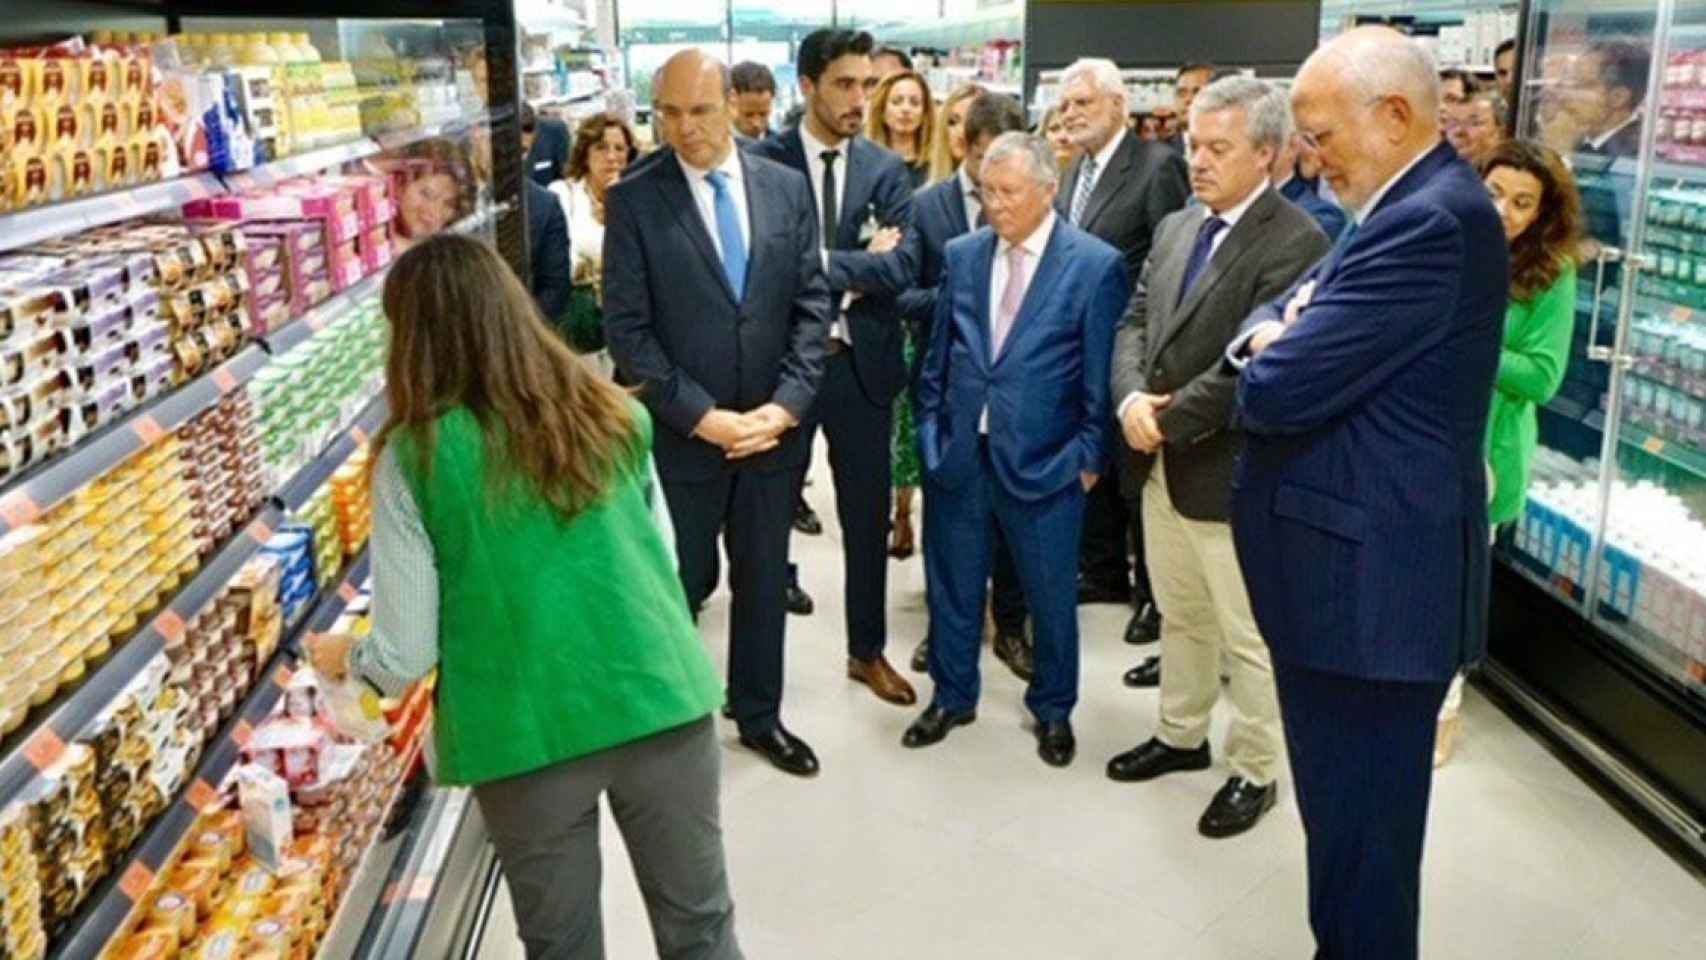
[973,849]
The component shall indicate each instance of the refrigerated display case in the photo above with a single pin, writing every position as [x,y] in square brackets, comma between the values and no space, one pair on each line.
[191,368]
[1599,614]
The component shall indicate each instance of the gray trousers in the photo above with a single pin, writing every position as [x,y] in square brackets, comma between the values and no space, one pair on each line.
[664,795]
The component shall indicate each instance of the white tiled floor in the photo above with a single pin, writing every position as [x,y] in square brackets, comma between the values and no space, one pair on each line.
[975,849]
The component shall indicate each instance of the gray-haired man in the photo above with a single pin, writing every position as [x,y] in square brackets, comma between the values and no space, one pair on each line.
[1012,414]
[1211,265]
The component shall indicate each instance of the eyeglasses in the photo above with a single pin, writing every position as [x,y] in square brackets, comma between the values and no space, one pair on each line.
[1315,139]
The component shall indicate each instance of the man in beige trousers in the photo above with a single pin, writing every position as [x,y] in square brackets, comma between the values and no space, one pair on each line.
[1212,263]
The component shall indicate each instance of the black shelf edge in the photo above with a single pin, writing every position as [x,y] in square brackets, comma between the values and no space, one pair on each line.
[32,493]
[293,334]
[104,916]
[36,224]
[77,709]
[300,488]
[313,161]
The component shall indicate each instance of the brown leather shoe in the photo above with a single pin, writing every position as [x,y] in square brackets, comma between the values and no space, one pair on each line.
[882,679]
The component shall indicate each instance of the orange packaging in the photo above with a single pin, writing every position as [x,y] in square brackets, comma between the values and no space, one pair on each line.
[151,943]
[174,911]
[197,884]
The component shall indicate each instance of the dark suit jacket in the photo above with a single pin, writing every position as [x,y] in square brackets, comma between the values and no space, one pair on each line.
[547,251]
[877,187]
[676,329]
[939,214]
[550,151]
[1173,346]
[1327,214]
[1360,504]
[1047,393]
[1144,182]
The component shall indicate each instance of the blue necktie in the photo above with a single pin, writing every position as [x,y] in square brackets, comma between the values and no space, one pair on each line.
[728,233]
[1200,252]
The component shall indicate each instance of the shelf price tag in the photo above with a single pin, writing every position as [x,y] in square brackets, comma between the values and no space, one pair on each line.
[359,434]
[346,591]
[147,429]
[242,733]
[1654,444]
[136,881]
[282,677]
[225,380]
[260,531]
[18,510]
[170,625]
[1680,314]
[44,748]
[1697,671]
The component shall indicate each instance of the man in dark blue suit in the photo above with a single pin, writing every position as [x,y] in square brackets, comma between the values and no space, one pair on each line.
[1012,424]
[942,212]
[1360,503]
[715,306]
[864,196]
[547,251]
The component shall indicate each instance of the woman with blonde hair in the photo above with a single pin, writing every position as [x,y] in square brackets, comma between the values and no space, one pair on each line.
[903,119]
[1053,129]
[950,137]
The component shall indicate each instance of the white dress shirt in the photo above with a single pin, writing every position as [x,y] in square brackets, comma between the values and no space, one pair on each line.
[1231,218]
[586,234]
[814,149]
[705,197]
[1033,245]
[1103,157]
[1235,354]
[969,195]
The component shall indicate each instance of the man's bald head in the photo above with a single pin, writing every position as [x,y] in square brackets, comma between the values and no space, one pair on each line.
[691,100]
[1369,101]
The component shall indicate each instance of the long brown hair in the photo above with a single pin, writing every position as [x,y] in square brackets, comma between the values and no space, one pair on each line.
[1551,242]
[942,163]
[465,333]
[877,124]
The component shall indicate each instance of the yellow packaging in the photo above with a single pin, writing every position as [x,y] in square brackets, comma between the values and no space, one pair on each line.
[100,77]
[17,82]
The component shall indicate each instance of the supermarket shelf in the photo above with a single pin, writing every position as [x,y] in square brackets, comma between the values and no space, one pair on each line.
[292,334]
[36,491]
[1677,454]
[311,478]
[365,868]
[565,99]
[68,719]
[296,165]
[35,224]
[333,601]
[402,138]
[104,916]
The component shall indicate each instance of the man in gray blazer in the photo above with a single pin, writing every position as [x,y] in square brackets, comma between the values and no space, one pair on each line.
[1211,265]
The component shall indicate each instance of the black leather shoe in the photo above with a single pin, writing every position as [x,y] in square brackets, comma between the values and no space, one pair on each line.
[785,751]
[1236,808]
[921,657]
[1014,649]
[1145,674]
[797,600]
[1145,625]
[1092,592]
[805,519]
[1152,759]
[1055,743]
[933,725]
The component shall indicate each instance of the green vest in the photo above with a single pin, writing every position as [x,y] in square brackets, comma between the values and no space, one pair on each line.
[556,639]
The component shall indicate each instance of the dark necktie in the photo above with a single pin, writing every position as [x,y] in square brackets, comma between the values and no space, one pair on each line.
[1200,253]
[982,221]
[830,218]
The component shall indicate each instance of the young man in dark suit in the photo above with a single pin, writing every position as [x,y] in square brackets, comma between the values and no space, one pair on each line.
[1119,189]
[715,306]
[864,197]
[942,212]
[1360,504]
[1213,263]
[547,142]
[547,251]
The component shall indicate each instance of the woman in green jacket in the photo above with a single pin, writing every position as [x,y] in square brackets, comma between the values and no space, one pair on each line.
[1542,213]
[517,547]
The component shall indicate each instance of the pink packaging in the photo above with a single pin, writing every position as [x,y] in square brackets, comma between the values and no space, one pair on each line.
[372,197]
[290,748]
[267,314]
[345,266]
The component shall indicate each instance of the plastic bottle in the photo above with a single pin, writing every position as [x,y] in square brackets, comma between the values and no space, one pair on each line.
[221,52]
[310,53]
[255,52]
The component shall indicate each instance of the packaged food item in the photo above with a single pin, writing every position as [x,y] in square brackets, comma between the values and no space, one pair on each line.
[176,912]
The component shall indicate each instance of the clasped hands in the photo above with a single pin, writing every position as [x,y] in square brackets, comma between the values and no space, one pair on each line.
[1267,333]
[885,240]
[1142,429]
[743,435]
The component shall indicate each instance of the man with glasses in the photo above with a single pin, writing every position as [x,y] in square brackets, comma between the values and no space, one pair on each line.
[1475,128]
[1359,511]
[1119,189]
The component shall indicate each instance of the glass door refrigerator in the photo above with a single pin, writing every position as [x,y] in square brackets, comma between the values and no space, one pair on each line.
[1599,611]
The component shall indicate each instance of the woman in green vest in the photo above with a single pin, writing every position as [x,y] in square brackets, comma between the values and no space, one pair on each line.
[519,547]
[1542,213]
